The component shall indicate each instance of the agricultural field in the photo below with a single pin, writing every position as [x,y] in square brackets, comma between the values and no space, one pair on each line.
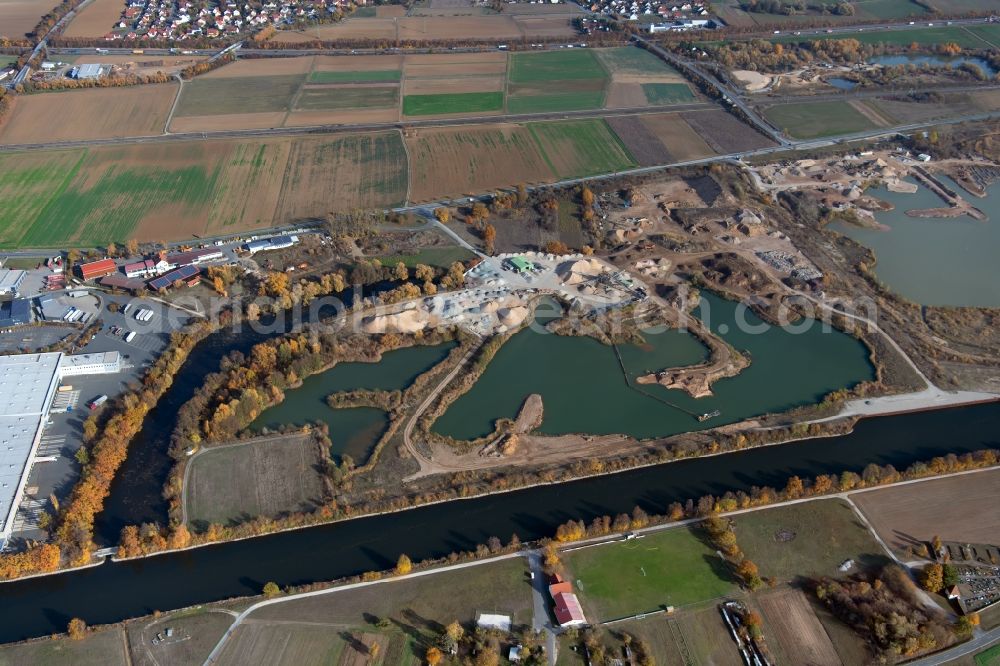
[342,173]
[335,628]
[574,148]
[88,114]
[808,120]
[269,477]
[659,138]
[100,648]
[19,17]
[238,95]
[673,567]
[808,539]
[171,191]
[95,20]
[724,133]
[555,81]
[450,162]
[463,27]
[793,632]
[978,37]
[864,10]
[453,103]
[950,508]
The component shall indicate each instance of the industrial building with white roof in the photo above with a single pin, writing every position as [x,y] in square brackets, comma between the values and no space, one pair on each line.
[28,383]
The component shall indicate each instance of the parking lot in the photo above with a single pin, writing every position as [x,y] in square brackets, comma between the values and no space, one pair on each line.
[55,468]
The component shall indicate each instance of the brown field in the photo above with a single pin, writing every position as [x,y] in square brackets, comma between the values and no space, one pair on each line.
[357,63]
[266,477]
[625,95]
[341,117]
[227,122]
[460,63]
[343,173]
[951,508]
[725,133]
[454,161]
[19,17]
[96,19]
[418,28]
[105,647]
[262,67]
[792,631]
[390,11]
[678,137]
[470,84]
[644,144]
[98,113]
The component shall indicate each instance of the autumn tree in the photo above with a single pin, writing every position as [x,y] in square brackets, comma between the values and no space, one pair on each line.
[403,565]
[556,247]
[112,249]
[373,651]
[423,273]
[401,272]
[132,247]
[77,629]
[489,237]
[442,214]
[932,577]
[433,656]
[271,589]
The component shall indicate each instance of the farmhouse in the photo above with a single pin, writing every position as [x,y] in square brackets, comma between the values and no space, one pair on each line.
[131,285]
[84,72]
[27,386]
[97,269]
[567,607]
[10,280]
[146,268]
[187,274]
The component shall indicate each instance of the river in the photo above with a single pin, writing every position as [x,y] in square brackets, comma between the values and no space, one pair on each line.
[935,261]
[114,591]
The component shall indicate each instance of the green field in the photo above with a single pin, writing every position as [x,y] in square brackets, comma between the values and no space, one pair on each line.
[102,648]
[212,97]
[811,120]
[555,102]
[823,534]
[430,105]
[374,76]
[364,97]
[432,256]
[888,9]
[667,93]
[633,60]
[922,36]
[673,567]
[989,657]
[576,148]
[555,66]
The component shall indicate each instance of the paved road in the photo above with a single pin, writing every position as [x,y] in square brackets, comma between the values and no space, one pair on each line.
[541,620]
[980,642]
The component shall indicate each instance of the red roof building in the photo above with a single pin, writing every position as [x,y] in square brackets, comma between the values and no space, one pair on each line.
[96,269]
[568,611]
[561,586]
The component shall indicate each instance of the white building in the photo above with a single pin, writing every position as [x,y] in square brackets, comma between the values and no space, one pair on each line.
[28,384]
[103,363]
[10,280]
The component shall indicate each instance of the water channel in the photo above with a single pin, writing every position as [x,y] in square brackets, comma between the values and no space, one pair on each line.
[111,592]
[935,261]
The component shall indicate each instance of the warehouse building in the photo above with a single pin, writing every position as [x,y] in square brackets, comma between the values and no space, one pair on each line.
[28,383]
[10,280]
[274,243]
[16,312]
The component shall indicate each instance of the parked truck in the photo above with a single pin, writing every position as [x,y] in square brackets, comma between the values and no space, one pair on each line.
[97,402]
[130,336]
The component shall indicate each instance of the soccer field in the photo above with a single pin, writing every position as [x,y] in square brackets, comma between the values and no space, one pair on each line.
[669,568]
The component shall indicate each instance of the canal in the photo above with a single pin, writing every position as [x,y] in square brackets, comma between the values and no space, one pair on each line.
[111,592]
